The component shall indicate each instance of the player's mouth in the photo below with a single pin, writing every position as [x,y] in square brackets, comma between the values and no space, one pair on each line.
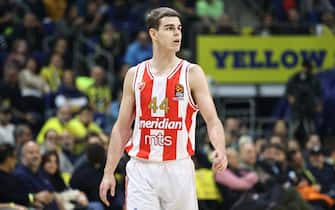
[177,41]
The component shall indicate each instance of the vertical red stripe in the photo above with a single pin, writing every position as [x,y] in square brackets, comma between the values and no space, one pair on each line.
[188,122]
[170,151]
[145,98]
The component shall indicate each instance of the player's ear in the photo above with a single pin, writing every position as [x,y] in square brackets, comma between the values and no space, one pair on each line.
[153,33]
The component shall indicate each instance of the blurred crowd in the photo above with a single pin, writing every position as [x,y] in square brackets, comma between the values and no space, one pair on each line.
[55,118]
[267,172]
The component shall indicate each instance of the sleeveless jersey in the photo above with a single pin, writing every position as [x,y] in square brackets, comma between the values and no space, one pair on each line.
[165,115]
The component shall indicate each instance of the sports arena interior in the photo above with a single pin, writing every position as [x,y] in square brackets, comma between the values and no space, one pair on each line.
[270,66]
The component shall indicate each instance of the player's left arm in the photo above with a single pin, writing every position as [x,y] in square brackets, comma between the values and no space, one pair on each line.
[203,99]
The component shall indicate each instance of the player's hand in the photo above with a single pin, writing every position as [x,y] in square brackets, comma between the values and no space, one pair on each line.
[219,161]
[107,183]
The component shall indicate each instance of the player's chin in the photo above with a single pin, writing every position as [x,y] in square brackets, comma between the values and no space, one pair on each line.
[176,48]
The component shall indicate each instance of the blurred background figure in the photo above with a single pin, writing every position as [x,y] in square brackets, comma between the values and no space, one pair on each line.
[303,93]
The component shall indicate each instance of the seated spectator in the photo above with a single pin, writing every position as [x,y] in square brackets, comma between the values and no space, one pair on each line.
[232,181]
[273,182]
[68,94]
[62,47]
[83,124]
[33,86]
[53,72]
[69,197]
[53,142]
[11,188]
[273,161]
[31,31]
[10,94]
[50,167]
[91,170]
[99,93]
[70,25]
[18,54]
[59,123]
[299,166]
[322,171]
[248,156]
[33,181]
[95,18]
[6,127]
[67,144]
[313,141]
[306,184]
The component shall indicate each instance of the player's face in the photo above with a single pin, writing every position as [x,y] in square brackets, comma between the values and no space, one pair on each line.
[169,33]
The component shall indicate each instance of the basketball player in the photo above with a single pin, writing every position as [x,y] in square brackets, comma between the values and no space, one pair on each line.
[163,96]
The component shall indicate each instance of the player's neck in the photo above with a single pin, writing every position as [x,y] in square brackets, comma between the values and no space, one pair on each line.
[163,60]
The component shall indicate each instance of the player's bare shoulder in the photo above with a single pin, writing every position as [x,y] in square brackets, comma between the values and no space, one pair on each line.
[131,73]
[130,77]
[196,76]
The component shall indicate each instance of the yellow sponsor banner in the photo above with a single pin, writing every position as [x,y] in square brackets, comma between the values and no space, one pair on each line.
[262,59]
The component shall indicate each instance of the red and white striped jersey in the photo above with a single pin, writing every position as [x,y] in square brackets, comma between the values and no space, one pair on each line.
[165,115]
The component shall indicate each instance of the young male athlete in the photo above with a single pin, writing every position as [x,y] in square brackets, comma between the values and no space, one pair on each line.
[163,96]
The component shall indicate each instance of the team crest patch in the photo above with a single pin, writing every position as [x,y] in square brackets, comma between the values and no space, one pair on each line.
[140,85]
[179,92]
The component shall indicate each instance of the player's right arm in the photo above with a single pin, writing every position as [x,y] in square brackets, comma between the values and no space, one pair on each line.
[119,137]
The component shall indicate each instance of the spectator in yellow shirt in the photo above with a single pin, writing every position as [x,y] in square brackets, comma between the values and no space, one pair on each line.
[52,73]
[81,126]
[59,123]
[99,93]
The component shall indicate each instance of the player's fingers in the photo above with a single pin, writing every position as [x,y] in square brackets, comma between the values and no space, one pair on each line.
[103,193]
[219,165]
[214,155]
[112,189]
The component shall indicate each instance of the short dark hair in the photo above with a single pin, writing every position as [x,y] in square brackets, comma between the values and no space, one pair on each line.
[96,155]
[6,150]
[154,16]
